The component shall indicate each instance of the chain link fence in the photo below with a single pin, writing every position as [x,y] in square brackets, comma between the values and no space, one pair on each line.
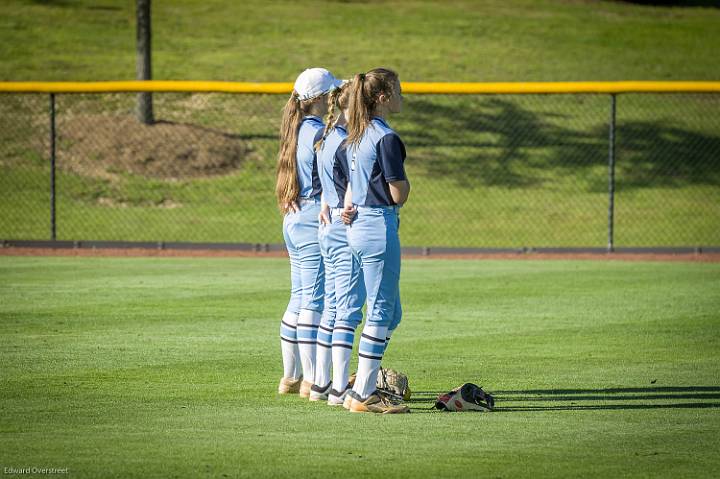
[487,171]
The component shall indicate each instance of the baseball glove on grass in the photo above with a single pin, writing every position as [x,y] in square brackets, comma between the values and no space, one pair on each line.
[467,397]
[393,384]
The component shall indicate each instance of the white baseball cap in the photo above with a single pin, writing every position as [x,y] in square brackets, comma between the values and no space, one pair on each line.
[315,82]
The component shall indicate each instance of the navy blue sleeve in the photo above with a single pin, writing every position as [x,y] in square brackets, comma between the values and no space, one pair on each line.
[391,157]
[316,185]
[341,173]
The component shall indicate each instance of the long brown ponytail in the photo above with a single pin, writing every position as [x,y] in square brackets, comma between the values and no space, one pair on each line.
[365,89]
[287,188]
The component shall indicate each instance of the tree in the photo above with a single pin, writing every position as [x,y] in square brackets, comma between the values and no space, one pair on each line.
[144,66]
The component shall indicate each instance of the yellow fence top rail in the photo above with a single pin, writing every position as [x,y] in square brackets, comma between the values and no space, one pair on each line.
[408,87]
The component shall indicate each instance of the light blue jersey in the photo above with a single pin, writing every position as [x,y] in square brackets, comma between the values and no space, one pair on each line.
[378,159]
[311,130]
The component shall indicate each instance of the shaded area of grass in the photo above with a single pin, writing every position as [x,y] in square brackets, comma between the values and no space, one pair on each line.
[676,3]
[154,367]
[506,141]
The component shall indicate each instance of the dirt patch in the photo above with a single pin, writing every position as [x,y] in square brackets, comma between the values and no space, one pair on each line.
[137,252]
[104,146]
[140,252]
[663,257]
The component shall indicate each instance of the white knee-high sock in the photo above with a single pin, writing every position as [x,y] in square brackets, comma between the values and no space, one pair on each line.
[370,352]
[342,343]
[387,339]
[307,329]
[288,345]
[323,356]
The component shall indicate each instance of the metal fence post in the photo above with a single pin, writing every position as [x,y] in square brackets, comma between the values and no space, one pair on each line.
[53,225]
[611,177]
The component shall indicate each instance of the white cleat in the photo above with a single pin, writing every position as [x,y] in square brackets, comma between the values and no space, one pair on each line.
[318,393]
[336,398]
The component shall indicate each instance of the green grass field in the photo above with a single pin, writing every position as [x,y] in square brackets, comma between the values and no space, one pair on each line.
[148,367]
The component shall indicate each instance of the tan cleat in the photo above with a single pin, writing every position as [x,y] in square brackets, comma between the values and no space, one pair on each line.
[348,399]
[376,404]
[289,385]
[305,389]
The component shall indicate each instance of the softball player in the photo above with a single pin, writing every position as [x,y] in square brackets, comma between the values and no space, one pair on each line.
[379,186]
[298,195]
[336,334]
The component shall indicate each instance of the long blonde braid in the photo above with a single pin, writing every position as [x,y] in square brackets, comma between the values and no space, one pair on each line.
[335,102]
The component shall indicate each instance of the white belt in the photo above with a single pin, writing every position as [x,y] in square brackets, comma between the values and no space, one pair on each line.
[385,207]
[308,201]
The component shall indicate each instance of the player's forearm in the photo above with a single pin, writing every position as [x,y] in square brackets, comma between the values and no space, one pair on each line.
[323,203]
[399,190]
[347,201]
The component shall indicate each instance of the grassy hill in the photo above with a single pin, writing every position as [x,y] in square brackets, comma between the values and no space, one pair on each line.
[486,171]
[492,40]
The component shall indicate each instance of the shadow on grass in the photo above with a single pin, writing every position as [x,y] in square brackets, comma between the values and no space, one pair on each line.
[674,3]
[520,142]
[494,141]
[671,397]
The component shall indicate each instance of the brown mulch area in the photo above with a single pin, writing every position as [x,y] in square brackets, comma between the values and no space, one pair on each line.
[138,252]
[103,146]
[168,253]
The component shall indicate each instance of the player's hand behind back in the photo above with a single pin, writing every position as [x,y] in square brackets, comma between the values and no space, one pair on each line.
[348,214]
[324,216]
